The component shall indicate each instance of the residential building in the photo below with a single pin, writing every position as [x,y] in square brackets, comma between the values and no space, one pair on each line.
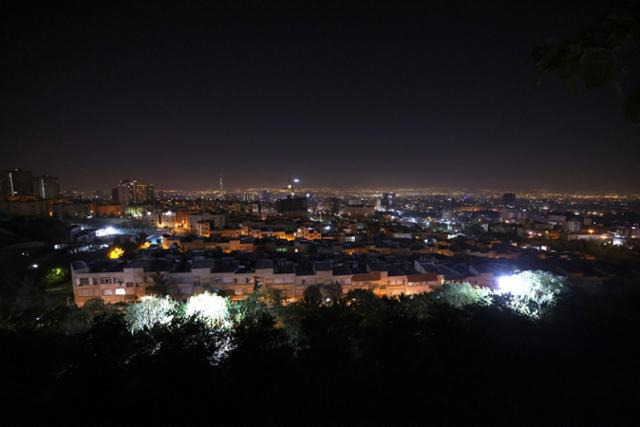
[16,182]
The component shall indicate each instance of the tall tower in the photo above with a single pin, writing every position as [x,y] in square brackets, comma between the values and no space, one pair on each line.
[292,186]
[221,187]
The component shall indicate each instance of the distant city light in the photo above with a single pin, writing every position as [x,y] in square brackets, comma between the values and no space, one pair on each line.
[296,180]
[34,266]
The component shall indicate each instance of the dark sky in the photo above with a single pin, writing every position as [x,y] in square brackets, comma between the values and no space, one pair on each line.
[341,94]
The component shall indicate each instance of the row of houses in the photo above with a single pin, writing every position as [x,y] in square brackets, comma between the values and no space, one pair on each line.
[116,282]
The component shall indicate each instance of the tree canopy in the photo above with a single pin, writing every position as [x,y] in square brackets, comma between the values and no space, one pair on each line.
[606,54]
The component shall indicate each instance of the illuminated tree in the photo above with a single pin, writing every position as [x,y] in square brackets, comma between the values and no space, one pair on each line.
[211,308]
[55,276]
[262,302]
[531,292]
[150,311]
[459,295]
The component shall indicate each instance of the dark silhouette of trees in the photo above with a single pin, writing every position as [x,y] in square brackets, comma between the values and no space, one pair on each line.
[161,285]
[422,359]
[607,54]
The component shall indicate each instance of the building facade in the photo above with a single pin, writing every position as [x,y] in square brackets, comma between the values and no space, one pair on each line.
[131,282]
[46,187]
[16,182]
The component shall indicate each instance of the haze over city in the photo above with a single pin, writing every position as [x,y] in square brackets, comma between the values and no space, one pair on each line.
[355,94]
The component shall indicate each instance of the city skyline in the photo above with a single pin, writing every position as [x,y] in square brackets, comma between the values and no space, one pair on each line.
[353,95]
[320,213]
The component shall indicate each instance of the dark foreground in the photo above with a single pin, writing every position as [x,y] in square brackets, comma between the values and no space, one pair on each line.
[359,362]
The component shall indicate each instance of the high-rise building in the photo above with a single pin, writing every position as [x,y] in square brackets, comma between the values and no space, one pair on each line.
[333,204]
[16,182]
[509,199]
[126,191]
[143,192]
[132,191]
[46,187]
[388,200]
[293,206]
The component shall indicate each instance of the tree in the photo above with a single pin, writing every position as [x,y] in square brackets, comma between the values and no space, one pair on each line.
[311,297]
[27,296]
[606,54]
[460,295]
[333,292]
[211,308]
[150,311]
[261,303]
[532,292]
[161,285]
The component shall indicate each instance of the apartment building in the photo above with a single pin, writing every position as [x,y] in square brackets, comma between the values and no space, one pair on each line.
[116,282]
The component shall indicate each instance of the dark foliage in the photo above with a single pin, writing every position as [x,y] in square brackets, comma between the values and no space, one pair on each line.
[608,53]
[360,360]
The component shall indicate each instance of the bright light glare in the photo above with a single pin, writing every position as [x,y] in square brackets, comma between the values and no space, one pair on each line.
[214,309]
[106,231]
[514,284]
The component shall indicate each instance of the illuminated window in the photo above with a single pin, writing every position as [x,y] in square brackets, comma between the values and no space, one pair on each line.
[107,292]
[120,291]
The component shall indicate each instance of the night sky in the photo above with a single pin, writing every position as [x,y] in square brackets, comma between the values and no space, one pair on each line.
[342,94]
